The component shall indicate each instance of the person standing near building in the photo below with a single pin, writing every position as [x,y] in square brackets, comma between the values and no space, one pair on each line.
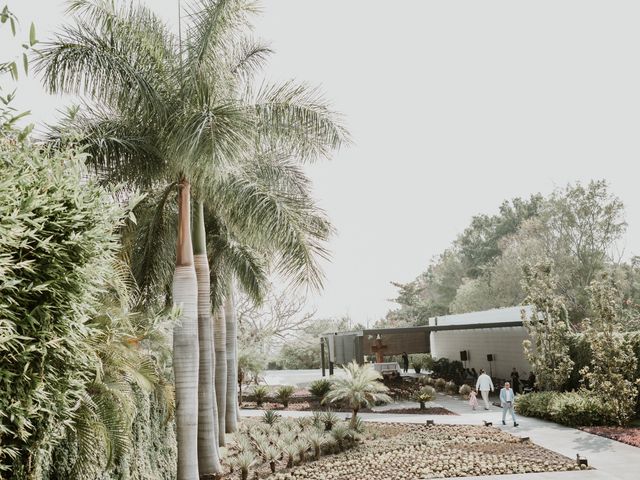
[405,362]
[507,396]
[515,380]
[484,385]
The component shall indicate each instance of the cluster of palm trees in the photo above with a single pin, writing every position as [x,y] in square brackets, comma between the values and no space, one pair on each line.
[178,117]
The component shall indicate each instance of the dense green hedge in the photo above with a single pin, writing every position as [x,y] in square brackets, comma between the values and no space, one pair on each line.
[57,239]
[580,408]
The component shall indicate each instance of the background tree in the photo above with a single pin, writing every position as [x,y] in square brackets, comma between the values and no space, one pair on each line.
[613,365]
[548,328]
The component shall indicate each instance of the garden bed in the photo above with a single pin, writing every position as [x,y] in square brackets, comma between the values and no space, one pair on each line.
[408,452]
[628,435]
[315,406]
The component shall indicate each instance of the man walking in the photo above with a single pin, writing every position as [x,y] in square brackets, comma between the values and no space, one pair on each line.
[506,400]
[484,385]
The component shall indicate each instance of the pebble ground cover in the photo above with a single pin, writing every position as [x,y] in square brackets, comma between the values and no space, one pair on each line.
[409,452]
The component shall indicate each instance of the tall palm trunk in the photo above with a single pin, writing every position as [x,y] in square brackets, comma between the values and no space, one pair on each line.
[208,452]
[231,415]
[220,339]
[185,343]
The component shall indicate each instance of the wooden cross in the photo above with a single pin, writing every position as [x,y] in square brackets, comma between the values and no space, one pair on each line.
[378,348]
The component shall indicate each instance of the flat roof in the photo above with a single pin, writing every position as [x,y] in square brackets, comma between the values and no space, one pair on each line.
[428,328]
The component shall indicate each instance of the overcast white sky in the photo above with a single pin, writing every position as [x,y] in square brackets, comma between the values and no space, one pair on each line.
[454,106]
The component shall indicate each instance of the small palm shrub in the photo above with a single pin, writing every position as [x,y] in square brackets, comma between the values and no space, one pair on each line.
[271,454]
[302,446]
[329,419]
[317,419]
[244,462]
[451,388]
[424,395]
[359,387]
[270,417]
[464,390]
[320,388]
[440,384]
[284,394]
[260,394]
[290,451]
[317,439]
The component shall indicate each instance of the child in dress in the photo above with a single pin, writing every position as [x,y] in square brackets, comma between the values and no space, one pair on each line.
[473,401]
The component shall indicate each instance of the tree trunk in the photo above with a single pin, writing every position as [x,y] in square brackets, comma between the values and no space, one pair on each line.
[185,343]
[354,417]
[220,342]
[208,452]
[231,416]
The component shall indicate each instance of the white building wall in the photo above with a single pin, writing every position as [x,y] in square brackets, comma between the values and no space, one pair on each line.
[505,343]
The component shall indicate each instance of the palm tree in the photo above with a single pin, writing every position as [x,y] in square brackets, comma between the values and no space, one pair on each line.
[173,113]
[208,432]
[359,387]
[231,417]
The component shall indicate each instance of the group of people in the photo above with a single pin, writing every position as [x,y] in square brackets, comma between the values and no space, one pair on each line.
[484,385]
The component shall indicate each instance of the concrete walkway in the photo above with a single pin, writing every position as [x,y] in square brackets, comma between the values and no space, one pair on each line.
[612,460]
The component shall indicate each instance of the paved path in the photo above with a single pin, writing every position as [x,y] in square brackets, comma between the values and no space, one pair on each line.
[612,460]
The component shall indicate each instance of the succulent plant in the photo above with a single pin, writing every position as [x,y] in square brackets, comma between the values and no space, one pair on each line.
[270,417]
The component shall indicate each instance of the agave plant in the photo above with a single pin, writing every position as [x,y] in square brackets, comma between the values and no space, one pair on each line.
[359,387]
[270,417]
[340,433]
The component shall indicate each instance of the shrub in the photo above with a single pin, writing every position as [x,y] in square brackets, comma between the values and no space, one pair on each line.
[284,394]
[426,380]
[451,388]
[260,393]
[579,408]
[425,394]
[57,243]
[416,365]
[464,390]
[440,384]
[448,369]
[423,359]
[320,388]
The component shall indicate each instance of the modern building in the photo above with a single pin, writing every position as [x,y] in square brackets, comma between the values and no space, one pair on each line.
[491,339]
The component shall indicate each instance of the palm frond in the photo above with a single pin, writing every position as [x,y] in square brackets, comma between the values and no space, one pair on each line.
[295,118]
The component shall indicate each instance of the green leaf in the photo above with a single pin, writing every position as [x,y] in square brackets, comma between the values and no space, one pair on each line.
[13,25]
[32,35]
[13,68]
[25,63]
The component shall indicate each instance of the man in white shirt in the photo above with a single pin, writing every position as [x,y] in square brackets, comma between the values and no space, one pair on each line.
[507,397]
[484,385]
